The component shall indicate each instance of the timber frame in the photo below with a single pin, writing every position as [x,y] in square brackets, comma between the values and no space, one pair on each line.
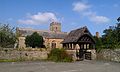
[80,40]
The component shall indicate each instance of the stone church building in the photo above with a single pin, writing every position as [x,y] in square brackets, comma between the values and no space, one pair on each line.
[79,43]
[52,37]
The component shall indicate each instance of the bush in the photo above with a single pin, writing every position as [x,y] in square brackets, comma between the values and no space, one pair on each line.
[59,55]
[7,36]
[34,40]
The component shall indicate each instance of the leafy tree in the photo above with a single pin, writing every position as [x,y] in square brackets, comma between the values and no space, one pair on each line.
[7,36]
[98,43]
[117,31]
[118,19]
[111,37]
[34,40]
[107,38]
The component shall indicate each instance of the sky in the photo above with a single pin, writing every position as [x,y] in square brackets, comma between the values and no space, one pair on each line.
[97,15]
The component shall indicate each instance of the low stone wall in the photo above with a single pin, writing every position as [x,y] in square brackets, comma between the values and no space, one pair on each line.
[13,54]
[73,54]
[109,55]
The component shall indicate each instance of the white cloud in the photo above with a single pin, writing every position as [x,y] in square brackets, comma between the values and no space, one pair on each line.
[96,18]
[99,19]
[79,6]
[39,18]
[85,10]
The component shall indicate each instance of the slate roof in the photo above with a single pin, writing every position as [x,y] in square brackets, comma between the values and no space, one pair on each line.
[44,33]
[74,35]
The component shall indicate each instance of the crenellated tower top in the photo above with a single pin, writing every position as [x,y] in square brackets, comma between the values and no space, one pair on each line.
[55,26]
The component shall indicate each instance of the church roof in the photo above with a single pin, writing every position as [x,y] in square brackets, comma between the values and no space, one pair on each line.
[74,35]
[44,33]
[53,35]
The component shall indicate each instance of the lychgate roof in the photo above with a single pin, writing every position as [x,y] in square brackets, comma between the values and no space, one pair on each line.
[74,35]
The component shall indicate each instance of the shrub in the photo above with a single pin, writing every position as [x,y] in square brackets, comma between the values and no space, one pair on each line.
[34,40]
[7,36]
[59,55]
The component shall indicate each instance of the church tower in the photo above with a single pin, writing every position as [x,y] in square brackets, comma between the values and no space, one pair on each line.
[55,26]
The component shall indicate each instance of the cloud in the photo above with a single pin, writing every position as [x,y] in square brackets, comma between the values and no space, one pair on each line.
[39,18]
[86,10]
[99,19]
[96,18]
[79,6]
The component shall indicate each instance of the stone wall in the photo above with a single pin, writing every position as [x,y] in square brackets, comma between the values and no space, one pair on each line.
[73,54]
[109,55]
[48,42]
[21,43]
[12,54]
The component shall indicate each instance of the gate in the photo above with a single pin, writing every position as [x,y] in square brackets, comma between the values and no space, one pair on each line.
[88,55]
[83,54]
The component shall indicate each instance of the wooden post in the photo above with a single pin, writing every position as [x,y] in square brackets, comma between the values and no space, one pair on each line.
[86,46]
[68,45]
[74,46]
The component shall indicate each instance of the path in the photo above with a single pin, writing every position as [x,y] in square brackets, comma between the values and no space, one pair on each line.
[82,66]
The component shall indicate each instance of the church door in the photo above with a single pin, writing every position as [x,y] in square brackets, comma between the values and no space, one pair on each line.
[53,45]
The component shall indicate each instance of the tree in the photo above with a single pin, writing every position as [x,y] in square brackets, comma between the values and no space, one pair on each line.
[98,43]
[118,19]
[34,40]
[7,36]
[108,38]
[111,37]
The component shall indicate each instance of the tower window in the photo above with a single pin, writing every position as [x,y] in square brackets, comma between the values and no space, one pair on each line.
[56,28]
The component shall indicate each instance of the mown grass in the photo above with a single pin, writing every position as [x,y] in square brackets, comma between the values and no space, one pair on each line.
[21,60]
[7,60]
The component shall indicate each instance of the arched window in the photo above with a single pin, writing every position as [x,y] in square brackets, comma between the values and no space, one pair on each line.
[53,44]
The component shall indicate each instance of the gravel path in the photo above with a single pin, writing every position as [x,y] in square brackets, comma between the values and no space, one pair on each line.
[81,66]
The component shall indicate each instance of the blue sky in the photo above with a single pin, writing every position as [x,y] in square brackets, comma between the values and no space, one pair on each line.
[97,15]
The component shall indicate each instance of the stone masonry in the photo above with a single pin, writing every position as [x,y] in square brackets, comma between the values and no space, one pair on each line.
[110,55]
[10,54]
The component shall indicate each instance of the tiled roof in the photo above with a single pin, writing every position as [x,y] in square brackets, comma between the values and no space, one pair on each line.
[46,34]
[74,35]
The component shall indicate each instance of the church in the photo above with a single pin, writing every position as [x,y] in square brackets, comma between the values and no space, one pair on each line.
[79,42]
[52,37]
